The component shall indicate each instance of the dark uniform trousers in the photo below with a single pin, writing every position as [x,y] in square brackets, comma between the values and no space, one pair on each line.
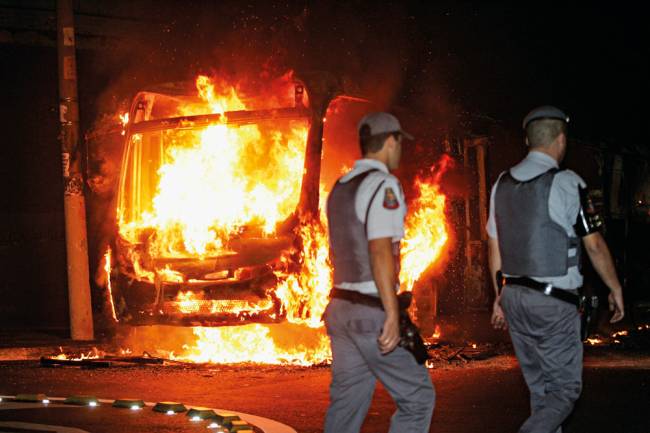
[545,333]
[358,363]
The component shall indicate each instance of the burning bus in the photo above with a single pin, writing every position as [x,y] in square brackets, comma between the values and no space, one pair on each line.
[208,200]
[219,217]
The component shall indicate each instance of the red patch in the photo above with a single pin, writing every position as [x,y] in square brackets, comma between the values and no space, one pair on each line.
[390,199]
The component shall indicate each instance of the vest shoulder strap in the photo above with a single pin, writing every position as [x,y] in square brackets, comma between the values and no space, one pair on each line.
[508,175]
[355,182]
[372,198]
[356,179]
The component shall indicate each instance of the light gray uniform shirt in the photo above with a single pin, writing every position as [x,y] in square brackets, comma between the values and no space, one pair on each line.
[386,213]
[563,206]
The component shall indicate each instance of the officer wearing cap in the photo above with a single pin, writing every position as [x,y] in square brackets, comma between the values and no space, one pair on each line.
[365,212]
[537,227]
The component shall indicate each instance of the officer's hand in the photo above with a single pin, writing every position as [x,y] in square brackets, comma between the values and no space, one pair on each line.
[616,305]
[498,316]
[389,338]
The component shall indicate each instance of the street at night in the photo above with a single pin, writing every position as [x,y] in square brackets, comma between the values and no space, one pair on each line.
[482,396]
[322,216]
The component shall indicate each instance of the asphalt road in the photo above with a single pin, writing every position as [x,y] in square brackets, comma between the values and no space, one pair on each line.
[484,396]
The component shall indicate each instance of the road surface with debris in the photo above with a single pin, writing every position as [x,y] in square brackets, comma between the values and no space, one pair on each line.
[487,396]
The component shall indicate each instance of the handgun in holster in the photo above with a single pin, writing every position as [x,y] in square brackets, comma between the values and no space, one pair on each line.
[588,304]
[410,338]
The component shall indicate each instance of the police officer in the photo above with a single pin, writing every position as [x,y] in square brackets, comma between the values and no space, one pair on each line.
[536,221]
[365,212]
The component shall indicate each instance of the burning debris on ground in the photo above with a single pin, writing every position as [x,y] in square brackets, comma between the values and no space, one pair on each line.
[633,339]
[442,354]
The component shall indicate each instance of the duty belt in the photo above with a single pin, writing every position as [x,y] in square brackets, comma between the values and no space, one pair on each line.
[403,299]
[545,288]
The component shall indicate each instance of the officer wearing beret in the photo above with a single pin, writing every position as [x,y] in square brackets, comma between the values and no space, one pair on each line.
[537,227]
[365,213]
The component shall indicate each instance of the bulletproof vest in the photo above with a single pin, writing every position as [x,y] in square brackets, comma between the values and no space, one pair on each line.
[348,236]
[530,242]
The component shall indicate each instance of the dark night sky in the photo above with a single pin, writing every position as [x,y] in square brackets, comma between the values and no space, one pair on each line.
[587,59]
[436,58]
[439,57]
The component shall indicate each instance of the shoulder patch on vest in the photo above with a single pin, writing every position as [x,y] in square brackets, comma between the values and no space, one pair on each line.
[390,199]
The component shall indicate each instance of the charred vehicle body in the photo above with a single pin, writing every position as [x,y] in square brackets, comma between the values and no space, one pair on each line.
[211,189]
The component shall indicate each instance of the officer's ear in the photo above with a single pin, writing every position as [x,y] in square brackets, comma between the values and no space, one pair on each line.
[387,143]
[391,141]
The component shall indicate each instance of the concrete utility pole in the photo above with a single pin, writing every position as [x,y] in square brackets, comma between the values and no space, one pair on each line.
[81,318]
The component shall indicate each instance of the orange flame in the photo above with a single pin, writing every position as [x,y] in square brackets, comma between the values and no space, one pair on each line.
[107,269]
[190,303]
[216,184]
[124,119]
[426,231]
[303,289]
[93,354]
[255,344]
[304,292]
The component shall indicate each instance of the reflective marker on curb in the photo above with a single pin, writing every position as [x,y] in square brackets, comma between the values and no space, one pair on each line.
[237,426]
[169,406]
[82,400]
[128,403]
[197,414]
[30,398]
[225,417]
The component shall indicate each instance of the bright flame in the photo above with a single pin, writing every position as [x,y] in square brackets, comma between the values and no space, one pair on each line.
[107,269]
[426,227]
[190,303]
[436,333]
[194,193]
[212,184]
[303,289]
[304,293]
[93,354]
[254,344]
[124,119]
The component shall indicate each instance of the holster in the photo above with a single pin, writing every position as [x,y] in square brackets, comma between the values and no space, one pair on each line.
[410,338]
[588,305]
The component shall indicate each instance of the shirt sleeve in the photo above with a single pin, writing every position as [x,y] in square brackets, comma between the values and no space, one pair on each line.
[386,211]
[566,190]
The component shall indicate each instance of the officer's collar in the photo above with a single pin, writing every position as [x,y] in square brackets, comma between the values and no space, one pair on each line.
[369,162]
[542,158]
